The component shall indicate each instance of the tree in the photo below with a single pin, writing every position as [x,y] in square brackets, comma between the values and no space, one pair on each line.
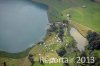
[61,51]
[31,59]
[66,64]
[53,27]
[94,40]
[4,64]
[66,22]
[60,33]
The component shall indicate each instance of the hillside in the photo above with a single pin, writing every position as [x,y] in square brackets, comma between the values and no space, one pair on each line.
[84,12]
[84,16]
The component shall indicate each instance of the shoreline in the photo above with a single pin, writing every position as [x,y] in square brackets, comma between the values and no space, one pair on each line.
[28,49]
[46,48]
[2,52]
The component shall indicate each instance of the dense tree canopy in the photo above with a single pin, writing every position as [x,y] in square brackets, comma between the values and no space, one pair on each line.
[94,40]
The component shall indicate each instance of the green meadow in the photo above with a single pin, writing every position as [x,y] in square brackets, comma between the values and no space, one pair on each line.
[85,15]
[88,16]
[84,12]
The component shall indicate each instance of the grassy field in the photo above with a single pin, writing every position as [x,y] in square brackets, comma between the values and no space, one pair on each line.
[57,6]
[50,51]
[13,59]
[53,64]
[88,16]
[46,49]
[83,18]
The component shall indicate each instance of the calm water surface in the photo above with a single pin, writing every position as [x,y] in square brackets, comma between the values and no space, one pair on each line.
[22,23]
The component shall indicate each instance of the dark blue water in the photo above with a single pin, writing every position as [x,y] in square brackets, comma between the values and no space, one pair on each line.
[22,23]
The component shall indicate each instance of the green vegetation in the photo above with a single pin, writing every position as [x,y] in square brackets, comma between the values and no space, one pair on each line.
[13,59]
[84,15]
[15,55]
[94,40]
[88,16]
[85,12]
[53,47]
[57,6]
[53,64]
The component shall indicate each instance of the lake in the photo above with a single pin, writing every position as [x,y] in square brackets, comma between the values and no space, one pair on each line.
[22,24]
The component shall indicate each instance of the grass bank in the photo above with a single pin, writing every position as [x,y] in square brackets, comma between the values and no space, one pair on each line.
[84,12]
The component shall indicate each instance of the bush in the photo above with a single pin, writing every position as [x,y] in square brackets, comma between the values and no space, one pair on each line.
[94,40]
[61,51]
